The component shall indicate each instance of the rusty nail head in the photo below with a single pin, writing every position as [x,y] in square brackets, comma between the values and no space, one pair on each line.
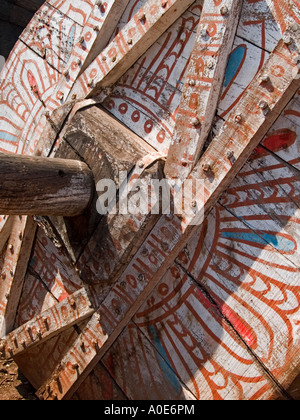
[141,277]
[263,105]
[287,39]
[224,10]
[196,122]
[265,78]
[206,167]
[238,118]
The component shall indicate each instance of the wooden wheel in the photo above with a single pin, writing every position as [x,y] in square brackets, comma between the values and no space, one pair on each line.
[201,305]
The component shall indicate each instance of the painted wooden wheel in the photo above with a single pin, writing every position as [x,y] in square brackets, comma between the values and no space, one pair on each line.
[201,305]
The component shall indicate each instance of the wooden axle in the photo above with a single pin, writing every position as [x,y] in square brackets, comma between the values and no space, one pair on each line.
[43,186]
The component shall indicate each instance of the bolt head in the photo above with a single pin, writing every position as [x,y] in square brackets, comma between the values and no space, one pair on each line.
[287,39]
[264,78]
[142,16]
[196,122]
[210,64]
[204,33]
[238,118]
[206,167]
[263,105]
[224,10]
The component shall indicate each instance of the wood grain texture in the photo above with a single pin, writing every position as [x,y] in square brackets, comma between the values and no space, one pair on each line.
[239,137]
[14,269]
[131,43]
[48,324]
[203,84]
[43,186]
[5,229]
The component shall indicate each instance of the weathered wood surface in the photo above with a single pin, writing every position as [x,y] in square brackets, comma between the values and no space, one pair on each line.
[155,377]
[14,267]
[48,324]
[98,28]
[286,13]
[44,186]
[152,20]
[230,256]
[5,229]
[203,84]
[238,137]
[87,137]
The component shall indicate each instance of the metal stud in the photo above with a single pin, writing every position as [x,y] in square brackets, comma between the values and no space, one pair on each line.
[91,83]
[206,167]
[264,79]
[194,204]
[287,39]
[204,33]
[238,118]
[224,10]
[196,122]
[142,16]
[263,105]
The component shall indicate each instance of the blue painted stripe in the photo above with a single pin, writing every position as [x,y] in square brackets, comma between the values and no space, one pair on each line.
[70,43]
[168,372]
[8,137]
[234,62]
[279,242]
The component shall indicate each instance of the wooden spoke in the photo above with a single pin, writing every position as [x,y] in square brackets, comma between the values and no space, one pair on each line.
[93,38]
[14,270]
[286,13]
[203,85]
[152,20]
[246,126]
[48,324]
[5,229]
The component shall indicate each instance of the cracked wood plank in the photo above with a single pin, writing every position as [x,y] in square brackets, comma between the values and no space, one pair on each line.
[229,151]
[204,81]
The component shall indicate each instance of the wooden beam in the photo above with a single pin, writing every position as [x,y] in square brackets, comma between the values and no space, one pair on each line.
[259,107]
[5,229]
[93,39]
[48,324]
[42,186]
[285,12]
[152,20]
[204,81]
[14,269]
